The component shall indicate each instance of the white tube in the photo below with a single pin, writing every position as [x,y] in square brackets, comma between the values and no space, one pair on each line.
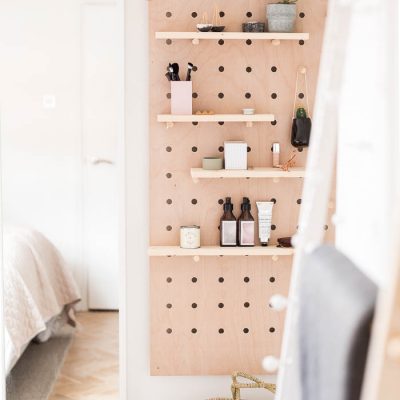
[264,221]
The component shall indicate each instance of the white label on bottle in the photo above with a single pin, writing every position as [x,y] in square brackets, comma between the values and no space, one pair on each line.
[228,233]
[247,233]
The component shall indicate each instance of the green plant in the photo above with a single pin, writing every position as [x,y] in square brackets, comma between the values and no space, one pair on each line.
[288,2]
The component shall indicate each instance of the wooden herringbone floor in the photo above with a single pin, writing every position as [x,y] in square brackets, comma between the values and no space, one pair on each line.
[90,371]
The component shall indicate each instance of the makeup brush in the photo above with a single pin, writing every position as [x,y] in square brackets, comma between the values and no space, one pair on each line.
[171,73]
[189,72]
[175,76]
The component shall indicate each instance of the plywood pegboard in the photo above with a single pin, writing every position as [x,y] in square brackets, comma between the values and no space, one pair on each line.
[228,77]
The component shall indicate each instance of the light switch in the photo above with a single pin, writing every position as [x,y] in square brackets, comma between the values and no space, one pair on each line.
[49,101]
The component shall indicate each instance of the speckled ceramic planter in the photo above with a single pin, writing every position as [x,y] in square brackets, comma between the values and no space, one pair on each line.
[281,17]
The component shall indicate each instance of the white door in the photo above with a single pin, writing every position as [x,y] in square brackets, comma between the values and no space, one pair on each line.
[100,115]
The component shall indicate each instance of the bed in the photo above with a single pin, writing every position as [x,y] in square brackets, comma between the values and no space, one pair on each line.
[39,291]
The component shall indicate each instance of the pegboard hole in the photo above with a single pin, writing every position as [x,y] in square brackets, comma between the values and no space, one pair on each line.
[298,201]
[168,14]
[301,42]
[195,123]
[221,201]
[168,95]
[274,69]
[194,149]
[195,68]
[302,15]
[247,95]
[221,68]
[168,175]
[248,149]
[169,331]
[194,331]
[272,329]
[221,305]
[168,149]
[221,279]
[326,227]
[169,201]
[301,95]
[221,149]
[246,330]
[273,123]
[168,228]
[168,42]
[274,95]
[273,200]
[195,95]
[221,42]
[194,14]
[249,14]
[221,95]
[273,227]
[299,149]
[249,69]
[246,279]
[246,304]
[221,14]
[249,42]
[221,331]
[169,305]
[221,123]
[194,305]
[194,201]
[194,279]
[169,280]
[272,279]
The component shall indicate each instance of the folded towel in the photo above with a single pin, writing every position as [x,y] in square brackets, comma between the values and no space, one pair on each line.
[336,309]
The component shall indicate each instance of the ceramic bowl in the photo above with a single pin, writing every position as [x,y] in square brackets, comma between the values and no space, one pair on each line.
[204,27]
[248,111]
[213,163]
[217,28]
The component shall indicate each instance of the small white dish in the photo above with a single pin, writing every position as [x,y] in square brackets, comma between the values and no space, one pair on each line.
[204,27]
[248,111]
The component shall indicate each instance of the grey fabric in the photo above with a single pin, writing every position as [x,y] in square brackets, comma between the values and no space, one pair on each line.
[35,373]
[336,309]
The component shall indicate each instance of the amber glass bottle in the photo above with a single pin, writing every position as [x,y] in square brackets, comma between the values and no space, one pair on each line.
[228,227]
[246,225]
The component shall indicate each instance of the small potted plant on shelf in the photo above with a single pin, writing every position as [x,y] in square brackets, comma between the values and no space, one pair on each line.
[281,16]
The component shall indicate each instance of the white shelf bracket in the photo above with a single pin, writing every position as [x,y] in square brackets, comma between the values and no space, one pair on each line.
[275,180]
[249,124]
[196,42]
[169,125]
[195,180]
[196,259]
[276,42]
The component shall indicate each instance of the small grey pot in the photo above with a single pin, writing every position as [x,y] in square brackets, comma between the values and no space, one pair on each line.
[281,17]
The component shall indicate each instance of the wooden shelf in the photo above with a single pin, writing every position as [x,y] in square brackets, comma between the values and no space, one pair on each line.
[170,119]
[215,251]
[276,173]
[195,37]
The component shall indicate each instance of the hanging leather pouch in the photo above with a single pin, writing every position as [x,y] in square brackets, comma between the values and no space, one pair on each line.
[301,126]
[301,131]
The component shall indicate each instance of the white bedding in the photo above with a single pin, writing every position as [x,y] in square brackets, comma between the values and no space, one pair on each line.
[37,288]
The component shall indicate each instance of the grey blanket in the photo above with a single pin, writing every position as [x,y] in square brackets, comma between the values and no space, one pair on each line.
[336,309]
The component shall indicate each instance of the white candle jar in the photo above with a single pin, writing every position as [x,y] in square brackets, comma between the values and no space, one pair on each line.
[190,237]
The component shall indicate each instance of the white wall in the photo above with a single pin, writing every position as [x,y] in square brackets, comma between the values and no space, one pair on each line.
[41,148]
[140,385]
[368,138]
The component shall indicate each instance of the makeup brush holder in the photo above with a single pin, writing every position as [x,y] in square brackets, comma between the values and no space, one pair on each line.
[181,97]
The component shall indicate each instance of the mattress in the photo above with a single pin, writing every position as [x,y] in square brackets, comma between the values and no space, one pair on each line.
[38,287]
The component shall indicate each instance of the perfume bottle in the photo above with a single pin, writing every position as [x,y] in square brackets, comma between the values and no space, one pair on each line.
[228,226]
[246,225]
